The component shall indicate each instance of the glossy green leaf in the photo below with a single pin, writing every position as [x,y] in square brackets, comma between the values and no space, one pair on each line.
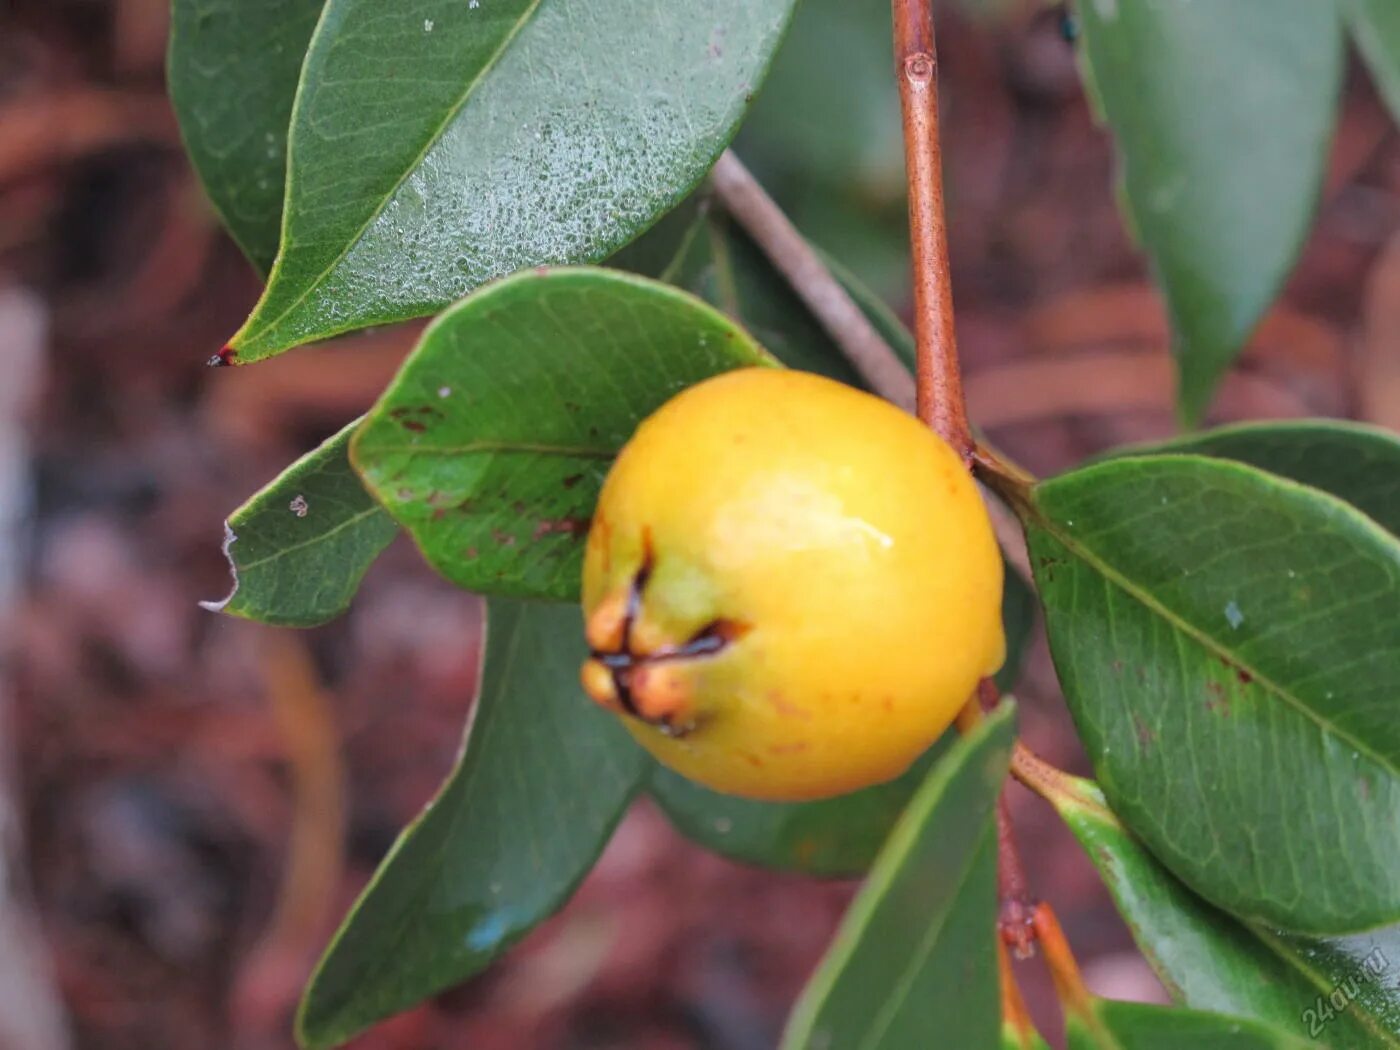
[838,836]
[1138,1026]
[1226,642]
[1222,114]
[1211,961]
[1356,463]
[299,547]
[1356,978]
[543,779]
[914,961]
[438,144]
[491,444]
[1376,26]
[232,71]
[298,583]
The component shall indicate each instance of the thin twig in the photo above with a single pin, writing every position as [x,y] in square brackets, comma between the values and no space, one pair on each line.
[938,377]
[743,198]
[1013,890]
[1014,915]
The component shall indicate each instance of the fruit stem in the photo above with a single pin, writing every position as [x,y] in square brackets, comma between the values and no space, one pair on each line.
[813,282]
[938,378]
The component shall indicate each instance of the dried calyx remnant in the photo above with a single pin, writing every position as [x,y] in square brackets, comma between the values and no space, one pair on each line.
[645,685]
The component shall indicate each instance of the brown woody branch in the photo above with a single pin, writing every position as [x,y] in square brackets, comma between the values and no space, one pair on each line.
[938,377]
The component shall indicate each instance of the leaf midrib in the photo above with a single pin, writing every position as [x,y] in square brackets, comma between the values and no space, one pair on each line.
[432,140]
[1118,579]
[320,537]
[1277,948]
[1317,979]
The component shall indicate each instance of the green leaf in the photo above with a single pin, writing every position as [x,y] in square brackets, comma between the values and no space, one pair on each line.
[1356,463]
[1376,26]
[914,961]
[838,836]
[1222,114]
[440,144]
[491,444]
[319,583]
[1138,1026]
[232,70]
[1226,643]
[1355,976]
[542,781]
[1211,961]
[299,547]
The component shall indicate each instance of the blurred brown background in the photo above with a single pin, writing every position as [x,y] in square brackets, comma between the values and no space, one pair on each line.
[188,803]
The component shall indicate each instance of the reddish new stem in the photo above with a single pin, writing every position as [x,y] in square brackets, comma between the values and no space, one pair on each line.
[1014,917]
[939,380]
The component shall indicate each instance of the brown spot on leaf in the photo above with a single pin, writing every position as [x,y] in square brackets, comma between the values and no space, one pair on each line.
[1218,702]
[1147,736]
[575,527]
